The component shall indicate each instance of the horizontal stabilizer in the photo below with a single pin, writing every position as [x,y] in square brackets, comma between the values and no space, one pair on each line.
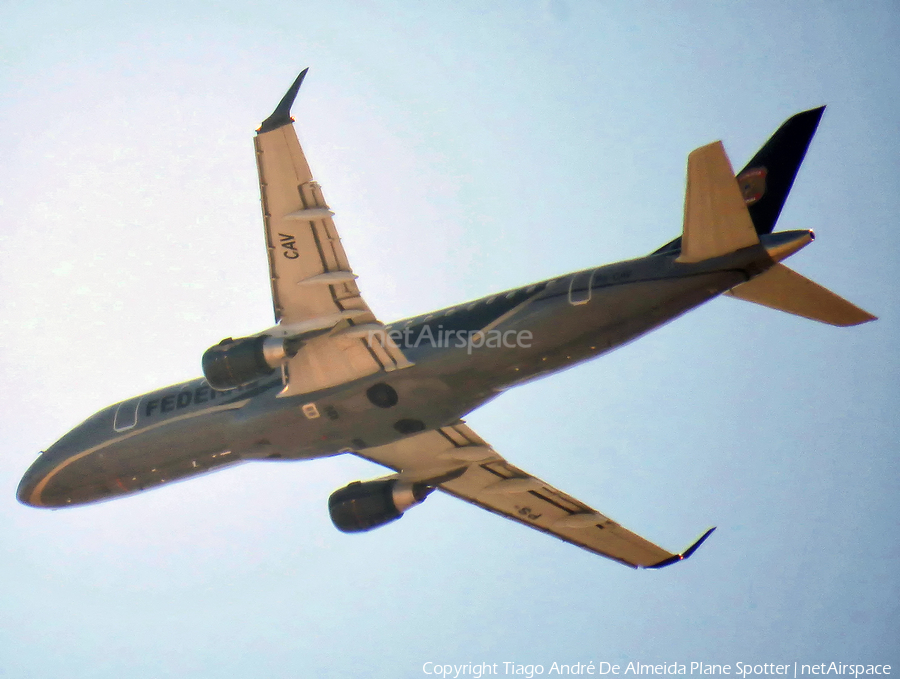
[784,289]
[716,219]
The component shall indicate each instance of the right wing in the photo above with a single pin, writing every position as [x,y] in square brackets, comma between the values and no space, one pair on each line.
[314,290]
[460,463]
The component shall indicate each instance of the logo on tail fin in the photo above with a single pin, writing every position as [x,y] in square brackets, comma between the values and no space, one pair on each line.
[753,184]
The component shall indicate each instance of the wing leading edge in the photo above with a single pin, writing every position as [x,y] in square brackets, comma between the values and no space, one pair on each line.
[459,462]
[314,289]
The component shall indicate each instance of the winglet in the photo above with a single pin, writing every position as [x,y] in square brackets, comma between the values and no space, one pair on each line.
[281,116]
[684,555]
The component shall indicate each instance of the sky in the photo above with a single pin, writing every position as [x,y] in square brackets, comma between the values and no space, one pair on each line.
[466,148]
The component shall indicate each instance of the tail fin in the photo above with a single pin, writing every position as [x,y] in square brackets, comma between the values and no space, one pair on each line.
[722,215]
[766,180]
[783,289]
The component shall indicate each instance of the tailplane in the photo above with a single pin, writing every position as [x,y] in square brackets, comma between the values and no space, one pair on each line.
[716,219]
[784,289]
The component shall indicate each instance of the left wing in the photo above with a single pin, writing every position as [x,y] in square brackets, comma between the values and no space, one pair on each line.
[314,290]
[459,462]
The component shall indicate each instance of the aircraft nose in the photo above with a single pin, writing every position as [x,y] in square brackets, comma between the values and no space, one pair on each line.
[25,492]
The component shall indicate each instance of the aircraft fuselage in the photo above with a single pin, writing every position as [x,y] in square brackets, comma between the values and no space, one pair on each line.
[188,429]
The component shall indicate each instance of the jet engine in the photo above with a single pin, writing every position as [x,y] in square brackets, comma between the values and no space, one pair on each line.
[362,506]
[236,362]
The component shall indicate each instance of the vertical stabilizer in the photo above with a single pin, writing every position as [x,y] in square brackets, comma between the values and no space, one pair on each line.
[767,179]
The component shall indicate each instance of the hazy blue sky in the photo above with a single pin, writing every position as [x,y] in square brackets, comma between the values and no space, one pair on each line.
[466,148]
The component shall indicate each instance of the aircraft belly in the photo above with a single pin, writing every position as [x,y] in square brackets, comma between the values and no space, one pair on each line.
[136,461]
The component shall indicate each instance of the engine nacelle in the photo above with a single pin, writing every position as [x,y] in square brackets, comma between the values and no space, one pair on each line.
[362,506]
[233,363]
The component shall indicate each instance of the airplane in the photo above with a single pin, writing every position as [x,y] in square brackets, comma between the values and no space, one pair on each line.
[330,378]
